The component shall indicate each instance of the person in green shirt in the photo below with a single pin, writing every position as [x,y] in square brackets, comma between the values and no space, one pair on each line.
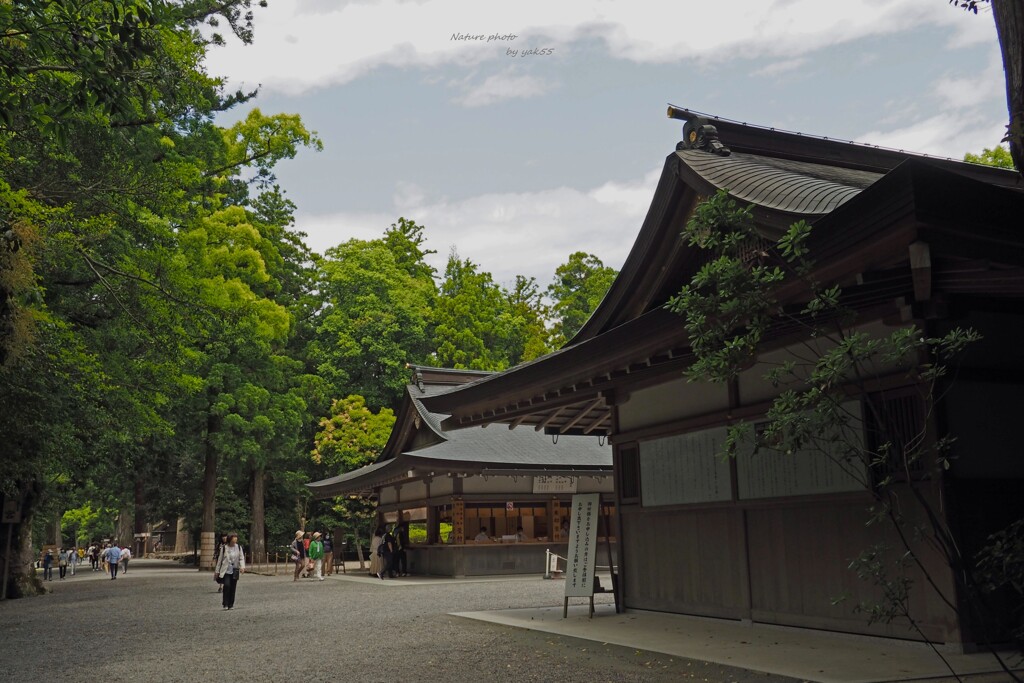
[316,553]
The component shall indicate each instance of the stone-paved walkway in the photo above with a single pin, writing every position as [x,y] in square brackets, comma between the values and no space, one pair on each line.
[161,622]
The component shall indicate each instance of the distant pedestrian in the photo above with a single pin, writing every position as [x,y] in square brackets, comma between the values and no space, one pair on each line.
[298,554]
[376,554]
[73,559]
[306,540]
[94,557]
[112,556]
[126,554]
[401,561]
[230,568]
[316,553]
[62,563]
[328,555]
[48,566]
[216,560]
[388,548]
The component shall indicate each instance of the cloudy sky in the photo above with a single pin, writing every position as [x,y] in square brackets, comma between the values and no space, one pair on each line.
[519,132]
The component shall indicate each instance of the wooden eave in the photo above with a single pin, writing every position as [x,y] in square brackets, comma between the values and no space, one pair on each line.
[863,245]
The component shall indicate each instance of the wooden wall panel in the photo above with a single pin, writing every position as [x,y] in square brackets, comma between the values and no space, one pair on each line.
[693,561]
[800,559]
[685,561]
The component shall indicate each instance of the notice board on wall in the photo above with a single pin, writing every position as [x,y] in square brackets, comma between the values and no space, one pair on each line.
[685,468]
[773,474]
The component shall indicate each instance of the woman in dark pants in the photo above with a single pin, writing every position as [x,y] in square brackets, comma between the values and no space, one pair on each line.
[230,568]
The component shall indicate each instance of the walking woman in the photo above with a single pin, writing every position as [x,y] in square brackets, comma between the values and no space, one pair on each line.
[230,568]
[379,560]
[298,553]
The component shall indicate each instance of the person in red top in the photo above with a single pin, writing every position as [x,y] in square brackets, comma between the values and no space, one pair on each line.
[306,540]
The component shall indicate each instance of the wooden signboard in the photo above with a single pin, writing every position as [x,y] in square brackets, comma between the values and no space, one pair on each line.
[553,484]
[582,554]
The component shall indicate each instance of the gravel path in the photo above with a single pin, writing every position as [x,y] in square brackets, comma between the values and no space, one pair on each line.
[161,622]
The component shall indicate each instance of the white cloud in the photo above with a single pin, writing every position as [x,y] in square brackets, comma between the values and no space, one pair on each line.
[967,92]
[943,135]
[964,116]
[338,42]
[503,86]
[779,68]
[509,234]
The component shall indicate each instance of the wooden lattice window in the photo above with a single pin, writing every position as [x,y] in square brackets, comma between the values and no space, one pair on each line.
[629,473]
[894,422]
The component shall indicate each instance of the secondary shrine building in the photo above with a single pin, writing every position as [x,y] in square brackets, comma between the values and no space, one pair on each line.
[478,501]
[770,537]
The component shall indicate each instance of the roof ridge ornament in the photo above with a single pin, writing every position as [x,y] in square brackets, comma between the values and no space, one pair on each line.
[698,133]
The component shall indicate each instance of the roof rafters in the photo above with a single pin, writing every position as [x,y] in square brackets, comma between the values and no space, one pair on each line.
[582,414]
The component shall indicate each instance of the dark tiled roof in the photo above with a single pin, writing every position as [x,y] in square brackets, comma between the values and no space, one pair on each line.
[489,448]
[342,479]
[520,447]
[783,185]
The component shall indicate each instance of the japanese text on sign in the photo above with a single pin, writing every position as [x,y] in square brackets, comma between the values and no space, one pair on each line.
[579,575]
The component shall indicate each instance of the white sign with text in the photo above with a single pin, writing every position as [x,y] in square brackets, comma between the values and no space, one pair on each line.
[582,555]
[554,484]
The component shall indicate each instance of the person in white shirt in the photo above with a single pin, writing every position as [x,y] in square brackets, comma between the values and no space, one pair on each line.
[482,536]
[126,554]
[230,567]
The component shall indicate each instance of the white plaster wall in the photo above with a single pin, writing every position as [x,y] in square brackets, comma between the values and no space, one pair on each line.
[670,401]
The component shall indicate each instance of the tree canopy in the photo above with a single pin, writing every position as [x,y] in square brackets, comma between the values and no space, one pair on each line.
[170,348]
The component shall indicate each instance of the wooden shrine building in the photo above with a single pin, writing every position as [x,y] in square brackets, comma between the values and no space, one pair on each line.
[450,485]
[912,240]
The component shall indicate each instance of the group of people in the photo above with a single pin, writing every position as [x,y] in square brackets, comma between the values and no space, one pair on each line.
[388,551]
[108,558]
[312,554]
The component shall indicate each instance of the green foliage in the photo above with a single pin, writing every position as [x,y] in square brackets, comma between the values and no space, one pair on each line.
[578,287]
[352,436]
[377,318]
[471,318]
[997,156]
[527,335]
[1000,568]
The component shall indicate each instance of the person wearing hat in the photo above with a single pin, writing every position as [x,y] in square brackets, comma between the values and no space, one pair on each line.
[316,553]
[328,554]
[298,553]
[48,566]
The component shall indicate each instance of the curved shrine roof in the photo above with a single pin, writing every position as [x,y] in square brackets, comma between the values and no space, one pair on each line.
[780,184]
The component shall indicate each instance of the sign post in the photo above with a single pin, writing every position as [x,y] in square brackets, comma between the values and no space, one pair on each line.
[582,556]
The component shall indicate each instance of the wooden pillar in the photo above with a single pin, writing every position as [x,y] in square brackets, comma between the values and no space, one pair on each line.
[551,518]
[433,528]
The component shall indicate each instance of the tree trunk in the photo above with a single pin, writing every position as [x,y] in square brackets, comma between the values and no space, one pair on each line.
[1009,19]
[125,525]
[139,522]
[257,527]
[207,530]
[181,537]
[21,577]
[55,531]
[359,546]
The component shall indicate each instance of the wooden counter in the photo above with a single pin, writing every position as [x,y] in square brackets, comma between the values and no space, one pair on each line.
[483,559]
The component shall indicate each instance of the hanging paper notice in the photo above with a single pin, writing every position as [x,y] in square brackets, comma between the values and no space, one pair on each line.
[579,574]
